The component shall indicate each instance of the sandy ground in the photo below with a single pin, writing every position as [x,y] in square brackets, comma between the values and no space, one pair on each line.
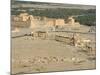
[32,56]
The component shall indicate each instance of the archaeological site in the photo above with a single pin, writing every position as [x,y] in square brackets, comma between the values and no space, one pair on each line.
[52,37]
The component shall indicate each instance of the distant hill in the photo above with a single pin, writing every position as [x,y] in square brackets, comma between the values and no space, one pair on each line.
[43,5]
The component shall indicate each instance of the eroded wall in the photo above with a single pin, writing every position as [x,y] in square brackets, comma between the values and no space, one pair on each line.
[37,21]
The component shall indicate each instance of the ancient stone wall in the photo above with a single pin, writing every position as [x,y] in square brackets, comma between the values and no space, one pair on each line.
[71,22]
[37,21]
[60,22]
[24,16]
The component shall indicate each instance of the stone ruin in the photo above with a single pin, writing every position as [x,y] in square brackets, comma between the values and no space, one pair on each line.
[26,20]
[86,45]
[20,21]
[71,22]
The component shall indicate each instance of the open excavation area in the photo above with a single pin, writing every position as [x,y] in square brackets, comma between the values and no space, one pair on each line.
[52,51]
[55,48]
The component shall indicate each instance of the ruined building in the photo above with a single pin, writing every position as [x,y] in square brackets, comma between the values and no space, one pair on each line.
[26,20]
[20,21]
[71,22]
